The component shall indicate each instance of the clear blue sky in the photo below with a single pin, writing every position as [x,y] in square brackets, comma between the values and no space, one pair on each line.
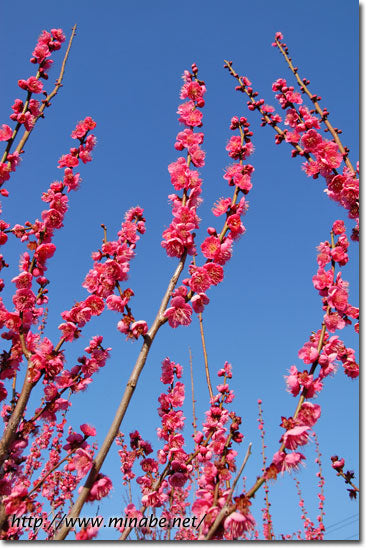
[124,71]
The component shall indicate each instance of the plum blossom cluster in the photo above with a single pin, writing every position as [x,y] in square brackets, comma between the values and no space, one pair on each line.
[138,449]
[72,380]
[47,43]
[297,433]
[179,237]
[217,248]
[38,235]
[303,132]
[111,267]
[88,533]
[25,113]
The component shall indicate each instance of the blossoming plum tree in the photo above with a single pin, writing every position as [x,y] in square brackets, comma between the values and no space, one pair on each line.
[50,469]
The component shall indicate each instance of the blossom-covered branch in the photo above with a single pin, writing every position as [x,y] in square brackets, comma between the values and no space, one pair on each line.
[27,113]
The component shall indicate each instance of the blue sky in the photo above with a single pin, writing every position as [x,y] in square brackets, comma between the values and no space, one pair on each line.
[124,71]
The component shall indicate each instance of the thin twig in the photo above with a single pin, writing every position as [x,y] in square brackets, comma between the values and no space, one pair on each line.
[194,424]
[208,381]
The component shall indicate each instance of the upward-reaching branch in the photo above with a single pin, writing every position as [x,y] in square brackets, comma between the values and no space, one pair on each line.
[303,83]
[45,103]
